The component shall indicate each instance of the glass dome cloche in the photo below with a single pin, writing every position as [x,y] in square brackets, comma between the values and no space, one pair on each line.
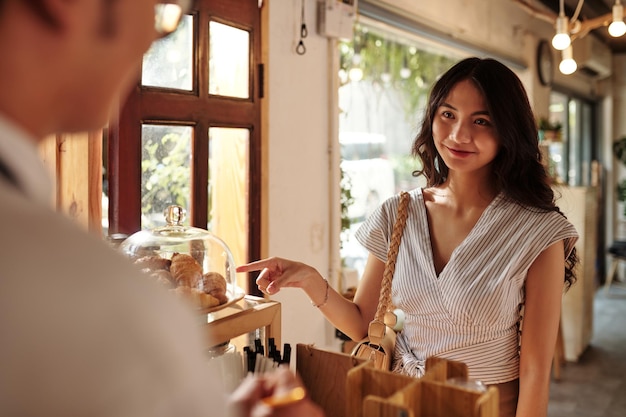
[192,262]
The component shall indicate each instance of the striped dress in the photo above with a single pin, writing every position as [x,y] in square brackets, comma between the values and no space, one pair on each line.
[471,310]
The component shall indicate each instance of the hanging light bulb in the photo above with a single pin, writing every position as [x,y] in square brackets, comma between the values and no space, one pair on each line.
[568,65]
[386,74]
[405,71]
[561,39]
[343,76]
[385,77]
[356,73]
[617,28]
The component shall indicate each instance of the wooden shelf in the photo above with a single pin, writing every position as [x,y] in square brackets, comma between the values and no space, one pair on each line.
[245,316]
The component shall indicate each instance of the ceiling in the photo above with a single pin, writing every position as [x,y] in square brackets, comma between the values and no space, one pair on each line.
[590,10]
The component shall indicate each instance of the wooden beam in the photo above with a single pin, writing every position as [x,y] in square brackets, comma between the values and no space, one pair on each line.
[74,162]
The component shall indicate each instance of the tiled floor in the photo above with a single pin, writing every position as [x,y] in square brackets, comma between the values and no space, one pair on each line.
[595,386]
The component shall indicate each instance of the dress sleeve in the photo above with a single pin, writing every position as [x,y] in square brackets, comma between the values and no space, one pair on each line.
[375,232]
[549,229]
[559,228]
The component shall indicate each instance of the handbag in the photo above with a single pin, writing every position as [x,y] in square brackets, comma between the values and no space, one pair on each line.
[380,342]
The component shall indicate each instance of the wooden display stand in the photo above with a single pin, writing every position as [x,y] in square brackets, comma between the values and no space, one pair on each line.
[581,208]
[247,315]
[346,387]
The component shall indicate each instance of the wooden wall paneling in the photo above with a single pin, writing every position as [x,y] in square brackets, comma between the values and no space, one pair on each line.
[94,158]
[73,172]
[48,154]
[75,165]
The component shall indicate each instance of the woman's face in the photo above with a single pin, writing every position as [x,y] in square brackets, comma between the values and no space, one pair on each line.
[463,132]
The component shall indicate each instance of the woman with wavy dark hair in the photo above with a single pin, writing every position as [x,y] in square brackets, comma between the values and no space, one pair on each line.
[517,168]
[485,255]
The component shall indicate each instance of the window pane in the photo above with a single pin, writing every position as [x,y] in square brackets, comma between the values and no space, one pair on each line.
[228,189]
[558,148]
[229,63]
[586,127]
[169,62]
[165,171]
[385,77]
[574,143]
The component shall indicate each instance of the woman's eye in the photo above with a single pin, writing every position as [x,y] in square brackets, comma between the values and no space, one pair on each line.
[482,122]
[447,114]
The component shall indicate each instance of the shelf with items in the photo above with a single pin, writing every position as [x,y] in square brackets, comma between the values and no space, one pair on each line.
[238,335]
[245,316]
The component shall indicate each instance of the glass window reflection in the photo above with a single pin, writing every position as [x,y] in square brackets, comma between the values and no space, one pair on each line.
[228,188]
[229,61]
[165,171]
[169,61]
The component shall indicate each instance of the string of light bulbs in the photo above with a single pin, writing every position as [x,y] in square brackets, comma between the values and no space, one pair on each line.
[569,29]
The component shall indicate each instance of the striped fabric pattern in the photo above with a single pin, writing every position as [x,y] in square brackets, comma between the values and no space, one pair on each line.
[471,310]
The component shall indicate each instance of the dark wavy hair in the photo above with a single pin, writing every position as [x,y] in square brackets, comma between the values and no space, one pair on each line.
[517,168]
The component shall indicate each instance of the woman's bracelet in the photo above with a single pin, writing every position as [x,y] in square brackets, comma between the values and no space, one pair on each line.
[325,296]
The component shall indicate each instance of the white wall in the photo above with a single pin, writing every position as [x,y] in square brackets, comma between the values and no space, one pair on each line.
[299,219]
[298,211]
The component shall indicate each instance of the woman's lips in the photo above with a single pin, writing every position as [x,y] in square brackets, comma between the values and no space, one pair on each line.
[458,152]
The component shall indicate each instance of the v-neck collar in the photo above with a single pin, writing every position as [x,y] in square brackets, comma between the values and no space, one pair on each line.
[428,241]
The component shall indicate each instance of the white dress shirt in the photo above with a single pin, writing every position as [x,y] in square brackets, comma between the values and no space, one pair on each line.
[18,153]
[82,333]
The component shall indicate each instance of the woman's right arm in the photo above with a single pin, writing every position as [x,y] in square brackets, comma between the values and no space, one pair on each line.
[351,317]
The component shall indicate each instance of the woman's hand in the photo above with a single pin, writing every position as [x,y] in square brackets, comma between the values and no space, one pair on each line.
[277,273]
[350,317]
[271,395]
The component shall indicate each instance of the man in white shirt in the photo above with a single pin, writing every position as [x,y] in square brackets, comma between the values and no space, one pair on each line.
[81,333]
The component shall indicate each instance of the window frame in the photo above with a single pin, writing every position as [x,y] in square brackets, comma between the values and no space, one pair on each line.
[200,110]
[579,156]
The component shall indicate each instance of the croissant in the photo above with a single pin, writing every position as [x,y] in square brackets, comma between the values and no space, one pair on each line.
[215,284]
[185,270]
[197,297]
[163,277]
[153,263]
